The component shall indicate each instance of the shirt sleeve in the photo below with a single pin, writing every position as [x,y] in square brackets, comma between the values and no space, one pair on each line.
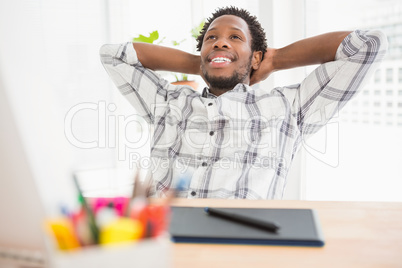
[329,87]
[142,87]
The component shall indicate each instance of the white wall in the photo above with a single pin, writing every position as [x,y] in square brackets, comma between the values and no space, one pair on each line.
[49,63]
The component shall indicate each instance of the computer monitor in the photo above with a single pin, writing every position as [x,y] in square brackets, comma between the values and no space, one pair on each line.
[21,211]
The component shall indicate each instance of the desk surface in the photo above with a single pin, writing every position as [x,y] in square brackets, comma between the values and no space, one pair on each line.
[357,234]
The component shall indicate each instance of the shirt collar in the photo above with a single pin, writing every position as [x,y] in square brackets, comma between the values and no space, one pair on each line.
[238,88]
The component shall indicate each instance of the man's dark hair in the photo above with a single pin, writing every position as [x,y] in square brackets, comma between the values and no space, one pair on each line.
[258,39]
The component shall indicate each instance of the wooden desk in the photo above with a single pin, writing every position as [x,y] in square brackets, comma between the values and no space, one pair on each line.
[357,234]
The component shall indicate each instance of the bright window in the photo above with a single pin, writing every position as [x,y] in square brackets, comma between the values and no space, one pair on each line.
[368,152]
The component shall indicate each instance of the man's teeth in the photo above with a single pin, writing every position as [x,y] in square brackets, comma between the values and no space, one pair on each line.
[220,59]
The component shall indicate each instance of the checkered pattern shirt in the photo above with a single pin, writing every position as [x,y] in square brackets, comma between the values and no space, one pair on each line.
[240,144]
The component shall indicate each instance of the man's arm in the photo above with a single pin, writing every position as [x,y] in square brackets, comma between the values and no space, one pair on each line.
[349,63]
[130,66]
[159,58]
[314,50]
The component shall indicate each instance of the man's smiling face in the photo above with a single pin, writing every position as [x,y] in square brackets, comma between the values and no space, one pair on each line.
[226,55]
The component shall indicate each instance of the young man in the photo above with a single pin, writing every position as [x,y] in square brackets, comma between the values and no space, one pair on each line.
[230,140]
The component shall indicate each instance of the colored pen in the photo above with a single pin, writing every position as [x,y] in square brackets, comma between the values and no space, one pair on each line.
[91,218]
[63,232]
[266,225]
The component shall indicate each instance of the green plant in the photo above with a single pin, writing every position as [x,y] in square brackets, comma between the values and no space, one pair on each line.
[195,32]
[154,38]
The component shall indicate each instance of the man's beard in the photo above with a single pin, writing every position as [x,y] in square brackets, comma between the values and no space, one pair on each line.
[228,83]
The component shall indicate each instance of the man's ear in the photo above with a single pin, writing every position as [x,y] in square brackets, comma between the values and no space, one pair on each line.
[256,60]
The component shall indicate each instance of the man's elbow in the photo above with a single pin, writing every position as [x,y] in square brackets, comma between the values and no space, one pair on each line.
[379,40]
[105,54]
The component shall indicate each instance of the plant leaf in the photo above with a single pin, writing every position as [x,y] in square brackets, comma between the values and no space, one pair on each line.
[147,39]
[195,32]
[154,35]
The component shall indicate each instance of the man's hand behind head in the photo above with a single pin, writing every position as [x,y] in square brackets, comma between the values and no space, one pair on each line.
[265,69]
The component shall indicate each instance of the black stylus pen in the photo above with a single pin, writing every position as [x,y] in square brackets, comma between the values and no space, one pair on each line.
[266,225]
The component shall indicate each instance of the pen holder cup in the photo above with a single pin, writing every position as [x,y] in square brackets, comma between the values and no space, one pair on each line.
[99,188]
[155,252]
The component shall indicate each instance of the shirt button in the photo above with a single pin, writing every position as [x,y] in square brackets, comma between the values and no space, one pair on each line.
[204,164]
[210,104]
[211,133]
[193,193]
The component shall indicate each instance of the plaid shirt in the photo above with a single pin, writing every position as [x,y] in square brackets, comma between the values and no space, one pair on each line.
[240,144]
